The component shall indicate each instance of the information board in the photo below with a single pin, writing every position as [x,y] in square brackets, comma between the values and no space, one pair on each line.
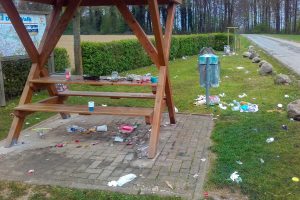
[9,40]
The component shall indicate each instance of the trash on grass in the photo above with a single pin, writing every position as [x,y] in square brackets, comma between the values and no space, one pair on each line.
[279,105]
[102,128]
[270,140]
[242,95]
[222,107]
[201,100]
[169,185]
[284,127]
[261,161]
[239,162]
[286,96]
[235,177]
[240,68]
[104,105]
[222,95]
[295,179]
[176,110]
[122,180]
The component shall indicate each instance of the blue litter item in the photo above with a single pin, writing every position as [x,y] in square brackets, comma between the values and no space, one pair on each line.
[213,70]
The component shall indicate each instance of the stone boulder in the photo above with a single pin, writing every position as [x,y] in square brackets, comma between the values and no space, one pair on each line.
[256,60]
[246,54]
[261,63]
[293,110]
[266,69]
[251,49]
[253,55]
[282,79]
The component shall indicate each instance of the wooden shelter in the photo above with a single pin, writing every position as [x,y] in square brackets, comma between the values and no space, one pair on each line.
[39,78]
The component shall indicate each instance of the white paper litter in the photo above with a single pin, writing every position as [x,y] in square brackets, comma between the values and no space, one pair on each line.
[203,159]
[261,161]
[122,180]
[286,96]
[242,95]
[222,107]
[279,105]
[222,94]
[118,139]
[270,140]
[240,68]
[176,110]
[235,177]
[239,162]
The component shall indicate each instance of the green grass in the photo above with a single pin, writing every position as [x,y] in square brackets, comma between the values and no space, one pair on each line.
[237,136]
[294,38]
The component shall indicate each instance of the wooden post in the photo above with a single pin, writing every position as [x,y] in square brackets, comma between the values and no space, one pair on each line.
[77,47]
[2,91]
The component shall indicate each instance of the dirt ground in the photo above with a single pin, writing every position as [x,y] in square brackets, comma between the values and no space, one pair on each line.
[66,41]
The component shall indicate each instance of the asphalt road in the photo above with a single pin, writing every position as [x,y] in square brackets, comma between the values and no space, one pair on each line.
[286,52]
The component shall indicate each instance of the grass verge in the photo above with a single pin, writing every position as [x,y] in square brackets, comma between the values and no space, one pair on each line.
[294,38]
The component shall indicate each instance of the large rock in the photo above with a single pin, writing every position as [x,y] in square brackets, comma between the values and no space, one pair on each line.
[246,54]
[282,79]
[293,110]
[261,63]
[253,55]
[256,60]
[251,49]
[266,69]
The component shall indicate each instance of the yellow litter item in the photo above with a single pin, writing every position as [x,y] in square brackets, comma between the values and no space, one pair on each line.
[295,179]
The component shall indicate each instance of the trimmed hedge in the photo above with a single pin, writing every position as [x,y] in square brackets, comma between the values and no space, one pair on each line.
[103,58]
[16,71]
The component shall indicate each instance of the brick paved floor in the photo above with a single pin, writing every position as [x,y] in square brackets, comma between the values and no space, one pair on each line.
[83,165]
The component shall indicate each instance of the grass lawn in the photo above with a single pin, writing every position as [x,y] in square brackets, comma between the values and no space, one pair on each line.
[237,136]
[294,38]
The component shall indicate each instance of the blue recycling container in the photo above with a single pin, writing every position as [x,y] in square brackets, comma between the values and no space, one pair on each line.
[213,70]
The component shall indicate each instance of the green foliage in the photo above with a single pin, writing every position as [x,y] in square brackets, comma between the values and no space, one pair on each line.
[16,71]
[61,59]
[261,28]
[103,58]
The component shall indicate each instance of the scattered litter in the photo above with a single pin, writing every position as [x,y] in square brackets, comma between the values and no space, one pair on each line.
[261,161]
[118,139]
[126,129]
[222,107]
[206,195]
[77,141]
[102,128]
[122,180]
[247,72]
[176,110]
[175,77]
[201,100]
[184,57]
[37,118]
[284,127]
[195,175]
[279,105]
[295,179]
[242,95]
[222,94]
[235,177]
[30,172]
[169,185]
[226,76]
[239,162]
[95,143]
[75,128]
[270,140]
[240,68]
[286,96]
[104,105]
[203,159]
[142,151]
[40,132]
[27,123]
[60,145]
[292,119]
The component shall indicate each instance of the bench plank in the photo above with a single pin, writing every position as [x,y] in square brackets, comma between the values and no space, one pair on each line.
[82,109]
[108,94]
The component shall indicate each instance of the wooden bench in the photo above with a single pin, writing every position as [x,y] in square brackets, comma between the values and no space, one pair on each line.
[113,95]
[83,110]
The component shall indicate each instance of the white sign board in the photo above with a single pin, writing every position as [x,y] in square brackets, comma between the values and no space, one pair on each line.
[9,40]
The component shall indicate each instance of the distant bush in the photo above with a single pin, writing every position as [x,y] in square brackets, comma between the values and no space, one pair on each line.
[61,59]
[103,58]
[16,71]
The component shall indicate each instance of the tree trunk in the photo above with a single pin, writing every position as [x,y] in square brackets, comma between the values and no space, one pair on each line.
[77,47]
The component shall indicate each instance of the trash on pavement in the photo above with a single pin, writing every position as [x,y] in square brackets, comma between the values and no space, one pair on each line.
[126,129]
[195,175]
[102,128]
[270,140]
[60,145]
[122,180]
[142,151]
[30,172]
[169,185]
[235,177]
[118,139]
[75,128]
[104,105]
[295,179]
[203,159]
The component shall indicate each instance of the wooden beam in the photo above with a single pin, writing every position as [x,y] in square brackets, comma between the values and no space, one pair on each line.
[169,28]
[51,24]
[107,2]
[138,31]
[157,29]
[23,34]
[15,130]
[59,29]
[158,109]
